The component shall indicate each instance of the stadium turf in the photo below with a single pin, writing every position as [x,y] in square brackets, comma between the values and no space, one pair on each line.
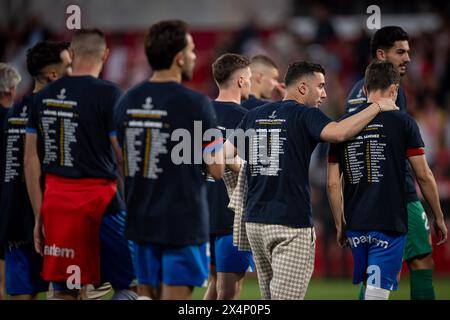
[338,289]
[332,289]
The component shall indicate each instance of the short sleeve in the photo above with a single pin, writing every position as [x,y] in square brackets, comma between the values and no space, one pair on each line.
[333,153]
[240,129]
[109,111]
[119,117]
[33,116]
[209,121]
[414,143]
[315,121]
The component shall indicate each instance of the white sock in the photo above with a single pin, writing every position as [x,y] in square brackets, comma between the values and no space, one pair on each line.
[374,293]
[124,294]
[143,298]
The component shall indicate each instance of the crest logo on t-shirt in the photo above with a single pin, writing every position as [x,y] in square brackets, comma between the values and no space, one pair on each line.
[24,113]
[273,115]
[62,94]
[148,104]
[360,93]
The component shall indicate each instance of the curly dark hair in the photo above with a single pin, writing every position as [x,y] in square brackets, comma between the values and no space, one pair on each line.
[163,41]
[44,54]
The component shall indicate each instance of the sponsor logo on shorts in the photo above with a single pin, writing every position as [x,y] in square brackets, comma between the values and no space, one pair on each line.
[55,251]
[355,241]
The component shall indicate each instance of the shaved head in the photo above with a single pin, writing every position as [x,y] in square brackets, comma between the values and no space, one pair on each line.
[265,76]
[88,43]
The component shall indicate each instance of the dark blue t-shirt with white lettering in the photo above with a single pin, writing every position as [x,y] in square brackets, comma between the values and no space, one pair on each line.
[160,128]
[16,213]
[229,115]
[278,155]
[355,100]
[73,118]
[252,102]
[3,114]
[373,166]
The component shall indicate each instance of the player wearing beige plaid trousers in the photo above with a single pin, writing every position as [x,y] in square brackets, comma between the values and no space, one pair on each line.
[284,256]
[281,139]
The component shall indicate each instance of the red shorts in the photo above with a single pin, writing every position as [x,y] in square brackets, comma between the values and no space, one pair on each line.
[72,212]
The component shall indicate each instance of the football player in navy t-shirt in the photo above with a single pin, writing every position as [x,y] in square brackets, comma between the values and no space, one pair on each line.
[392,44]
[228,265]
[374,200]
[9,80]
[46,62]
[265,76]
[281,139]
[71,141]
[165,182]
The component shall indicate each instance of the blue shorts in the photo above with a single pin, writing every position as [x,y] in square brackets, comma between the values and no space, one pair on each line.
[227,258]
[23,266]
[378,257]
[115,254]
[171,265]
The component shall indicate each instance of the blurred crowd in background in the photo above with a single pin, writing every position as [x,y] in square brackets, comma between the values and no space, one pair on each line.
[427,83]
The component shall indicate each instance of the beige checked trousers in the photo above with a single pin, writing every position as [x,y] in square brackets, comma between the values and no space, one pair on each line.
[284,259]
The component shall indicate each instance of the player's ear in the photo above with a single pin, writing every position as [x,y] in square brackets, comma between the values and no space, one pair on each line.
[179,59]
[105,55]
[71,53]
[240,82]
[381,55]
[258,76]
[302,88]
[52,76]
[393,90]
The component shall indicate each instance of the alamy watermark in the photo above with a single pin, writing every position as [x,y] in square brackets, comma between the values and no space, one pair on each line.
[199,146]
[374,20]
[73,20]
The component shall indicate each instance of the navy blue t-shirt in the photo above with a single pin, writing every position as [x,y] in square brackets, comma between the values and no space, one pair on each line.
[252,102]
[373,166]
[73,118]
[16,213]
[165,187]
[3,114]
[229,115]
[355,100]
[278,157]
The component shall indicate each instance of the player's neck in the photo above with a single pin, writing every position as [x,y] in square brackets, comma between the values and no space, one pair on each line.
[38,86]
[293,96]
[229,95]
[80,69]
[256,94]
[167,75]
[376,96]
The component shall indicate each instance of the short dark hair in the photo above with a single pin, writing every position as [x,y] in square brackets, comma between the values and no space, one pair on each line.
[300,69]
[380,75]
[386,37]
[44,54]
[163,41]
[264,60]
[227,64]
